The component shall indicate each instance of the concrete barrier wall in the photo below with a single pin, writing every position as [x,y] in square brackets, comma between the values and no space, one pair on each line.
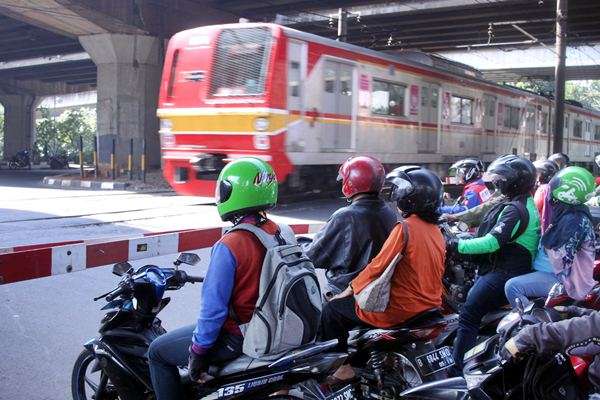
[37,261]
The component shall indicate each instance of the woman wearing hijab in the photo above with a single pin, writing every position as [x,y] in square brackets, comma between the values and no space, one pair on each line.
[566,253]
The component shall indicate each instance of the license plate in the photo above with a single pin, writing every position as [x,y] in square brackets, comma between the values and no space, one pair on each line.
[435,361]
[345,393]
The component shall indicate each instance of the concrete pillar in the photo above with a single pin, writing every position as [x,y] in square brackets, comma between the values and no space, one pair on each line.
[18,122]
[129,73]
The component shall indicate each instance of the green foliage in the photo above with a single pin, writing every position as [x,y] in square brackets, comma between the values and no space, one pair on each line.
[586,92]
[60,135]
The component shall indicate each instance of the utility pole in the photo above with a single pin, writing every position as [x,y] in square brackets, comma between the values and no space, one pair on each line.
[342,24]
[559,79]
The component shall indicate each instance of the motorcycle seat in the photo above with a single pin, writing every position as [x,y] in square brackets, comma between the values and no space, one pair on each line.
[427,317]
[245,363]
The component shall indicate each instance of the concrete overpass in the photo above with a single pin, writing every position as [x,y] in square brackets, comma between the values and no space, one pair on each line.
[50,47]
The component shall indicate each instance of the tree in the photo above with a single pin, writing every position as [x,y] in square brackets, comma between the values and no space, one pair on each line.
[585,92]
[60,135]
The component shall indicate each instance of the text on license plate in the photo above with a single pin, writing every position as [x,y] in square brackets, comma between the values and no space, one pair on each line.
[435,361]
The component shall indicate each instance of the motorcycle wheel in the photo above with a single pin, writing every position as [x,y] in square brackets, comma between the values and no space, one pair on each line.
[12,165]
[89,382]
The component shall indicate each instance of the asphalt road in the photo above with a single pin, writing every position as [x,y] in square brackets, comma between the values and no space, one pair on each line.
[32,213]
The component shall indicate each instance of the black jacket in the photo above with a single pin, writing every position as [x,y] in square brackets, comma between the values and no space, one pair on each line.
[352,236]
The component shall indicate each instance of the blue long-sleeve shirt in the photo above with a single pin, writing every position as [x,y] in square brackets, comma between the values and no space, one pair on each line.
[216,295]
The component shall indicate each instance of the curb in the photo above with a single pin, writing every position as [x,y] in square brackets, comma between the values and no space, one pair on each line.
[63,182]
[42,260]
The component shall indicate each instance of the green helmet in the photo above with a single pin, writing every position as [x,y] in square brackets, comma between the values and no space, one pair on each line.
[245,185]
[572,185]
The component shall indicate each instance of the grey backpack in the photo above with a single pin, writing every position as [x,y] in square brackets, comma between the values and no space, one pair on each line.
[288,309]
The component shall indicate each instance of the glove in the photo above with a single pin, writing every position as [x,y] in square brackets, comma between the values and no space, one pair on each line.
[197,366]
[509,350]
[452,248]
[567,312]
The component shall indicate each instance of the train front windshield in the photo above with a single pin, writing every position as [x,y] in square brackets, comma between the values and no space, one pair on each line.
[241,62]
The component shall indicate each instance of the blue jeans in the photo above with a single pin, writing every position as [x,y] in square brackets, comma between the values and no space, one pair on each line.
[486,295]
[171,350]
[535,284]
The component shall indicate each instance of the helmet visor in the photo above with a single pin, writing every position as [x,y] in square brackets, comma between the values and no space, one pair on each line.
[494,178]
[223,192]
[399,188]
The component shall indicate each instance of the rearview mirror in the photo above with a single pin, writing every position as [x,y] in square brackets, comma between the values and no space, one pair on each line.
[188,258]
[119,269]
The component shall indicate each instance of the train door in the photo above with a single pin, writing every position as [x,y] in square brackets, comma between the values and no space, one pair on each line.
[489,124]
[588,138]
[430,99]
[529,135]
[338,93]
[296,95]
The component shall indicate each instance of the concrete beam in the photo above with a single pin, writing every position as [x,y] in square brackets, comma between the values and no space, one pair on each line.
[39,88]
[66,17]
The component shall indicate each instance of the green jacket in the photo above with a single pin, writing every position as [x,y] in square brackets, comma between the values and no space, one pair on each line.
[496,237]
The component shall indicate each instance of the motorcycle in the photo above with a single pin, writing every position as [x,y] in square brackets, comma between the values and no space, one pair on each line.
[487,377]
[58,161]
[114,365]
[20,160]
[389,361]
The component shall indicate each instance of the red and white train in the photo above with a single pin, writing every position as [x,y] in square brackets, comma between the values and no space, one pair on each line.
[306,103]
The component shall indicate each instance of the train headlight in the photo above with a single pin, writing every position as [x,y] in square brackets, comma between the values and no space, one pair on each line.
[261,124]
[166,125]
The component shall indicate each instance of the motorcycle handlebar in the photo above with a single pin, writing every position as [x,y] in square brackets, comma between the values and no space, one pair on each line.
[119,291]
[194,279]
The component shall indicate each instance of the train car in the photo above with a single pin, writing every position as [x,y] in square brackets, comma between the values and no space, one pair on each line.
[306,103]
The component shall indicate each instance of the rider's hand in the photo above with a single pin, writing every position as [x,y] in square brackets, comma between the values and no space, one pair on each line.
[345,293]
[567,312]
[509,350]
[449,217]
[198,366]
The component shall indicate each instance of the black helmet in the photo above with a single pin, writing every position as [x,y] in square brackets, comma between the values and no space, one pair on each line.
[467,170]
[561,159]
[512,175]
[416,190]
[546,169]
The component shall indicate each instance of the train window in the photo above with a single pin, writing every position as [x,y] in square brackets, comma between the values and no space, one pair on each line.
[345,81]
[329,77]
[388,98]
[172,73]
[490,107]
[424,96]
[543,123]
[462,110]
[511,117]
[241,62]
[597,133]
[577,129]
[294,79]
[434,97]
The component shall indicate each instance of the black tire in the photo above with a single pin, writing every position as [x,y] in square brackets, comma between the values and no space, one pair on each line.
[82,389]
[12,165]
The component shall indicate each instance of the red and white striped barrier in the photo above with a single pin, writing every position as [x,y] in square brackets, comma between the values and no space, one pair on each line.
[40,260]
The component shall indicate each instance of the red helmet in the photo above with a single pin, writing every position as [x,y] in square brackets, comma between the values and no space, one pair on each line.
[362,174]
